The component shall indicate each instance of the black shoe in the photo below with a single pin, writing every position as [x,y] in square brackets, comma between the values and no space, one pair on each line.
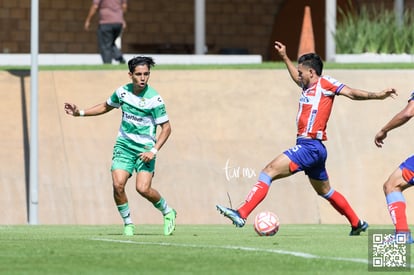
[121,60]
[362,226]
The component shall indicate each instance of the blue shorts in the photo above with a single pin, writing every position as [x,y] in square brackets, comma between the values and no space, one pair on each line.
[308,155]
[407,168]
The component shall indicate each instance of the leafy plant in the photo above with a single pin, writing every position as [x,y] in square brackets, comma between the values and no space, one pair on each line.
[374,29]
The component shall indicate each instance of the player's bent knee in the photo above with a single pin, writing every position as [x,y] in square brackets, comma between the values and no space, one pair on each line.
[391,186]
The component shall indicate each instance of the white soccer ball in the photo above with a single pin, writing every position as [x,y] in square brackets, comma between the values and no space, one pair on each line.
[266,223]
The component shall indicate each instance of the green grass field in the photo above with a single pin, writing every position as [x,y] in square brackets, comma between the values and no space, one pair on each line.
[193,249]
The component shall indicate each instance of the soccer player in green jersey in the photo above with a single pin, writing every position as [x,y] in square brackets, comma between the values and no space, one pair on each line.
[136,145]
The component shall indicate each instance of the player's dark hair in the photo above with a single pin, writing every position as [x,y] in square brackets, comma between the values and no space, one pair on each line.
[140,60]
[312,60]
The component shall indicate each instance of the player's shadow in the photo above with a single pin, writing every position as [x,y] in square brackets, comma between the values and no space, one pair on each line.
[21,74]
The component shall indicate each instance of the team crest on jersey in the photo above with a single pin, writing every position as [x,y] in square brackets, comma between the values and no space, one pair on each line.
[309,92]
[141,102]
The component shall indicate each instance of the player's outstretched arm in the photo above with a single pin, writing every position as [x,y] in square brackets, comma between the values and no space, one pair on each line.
[73,110]
[356,94]
[399,119]
[293,71]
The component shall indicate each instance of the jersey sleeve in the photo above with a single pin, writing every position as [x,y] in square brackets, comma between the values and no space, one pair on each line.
[114,100]
[411,96]
[331,84]
[159,112]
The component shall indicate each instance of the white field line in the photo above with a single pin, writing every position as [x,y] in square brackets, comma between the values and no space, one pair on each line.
[231,247]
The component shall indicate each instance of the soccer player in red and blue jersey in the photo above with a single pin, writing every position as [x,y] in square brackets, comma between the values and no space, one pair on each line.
[309,154]
[402,177]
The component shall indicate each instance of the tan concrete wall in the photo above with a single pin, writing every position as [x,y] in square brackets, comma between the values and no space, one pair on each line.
[239,119]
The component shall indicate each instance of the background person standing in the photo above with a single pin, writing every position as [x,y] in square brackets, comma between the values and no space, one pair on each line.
[111,24]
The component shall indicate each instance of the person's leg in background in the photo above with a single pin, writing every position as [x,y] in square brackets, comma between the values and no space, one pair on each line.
[116,49]
[105,41]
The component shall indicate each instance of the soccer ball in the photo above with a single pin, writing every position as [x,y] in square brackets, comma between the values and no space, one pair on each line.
[266,223]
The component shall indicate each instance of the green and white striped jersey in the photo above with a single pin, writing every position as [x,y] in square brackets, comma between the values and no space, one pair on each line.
[140,115]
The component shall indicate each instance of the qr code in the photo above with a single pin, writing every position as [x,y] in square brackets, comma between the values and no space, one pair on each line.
[389,251]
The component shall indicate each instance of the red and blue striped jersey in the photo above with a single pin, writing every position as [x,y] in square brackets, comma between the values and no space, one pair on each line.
[315,107]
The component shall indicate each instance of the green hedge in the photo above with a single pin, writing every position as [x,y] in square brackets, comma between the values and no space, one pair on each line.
[374,30]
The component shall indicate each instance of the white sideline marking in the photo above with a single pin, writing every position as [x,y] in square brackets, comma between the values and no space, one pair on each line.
[231,247]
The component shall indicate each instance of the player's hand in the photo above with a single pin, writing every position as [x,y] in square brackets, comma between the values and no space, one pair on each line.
[390,92]
[280,48]
[146,156]
[71,109]
[379,138]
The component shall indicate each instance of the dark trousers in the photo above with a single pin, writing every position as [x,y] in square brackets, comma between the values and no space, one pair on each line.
[107,34]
